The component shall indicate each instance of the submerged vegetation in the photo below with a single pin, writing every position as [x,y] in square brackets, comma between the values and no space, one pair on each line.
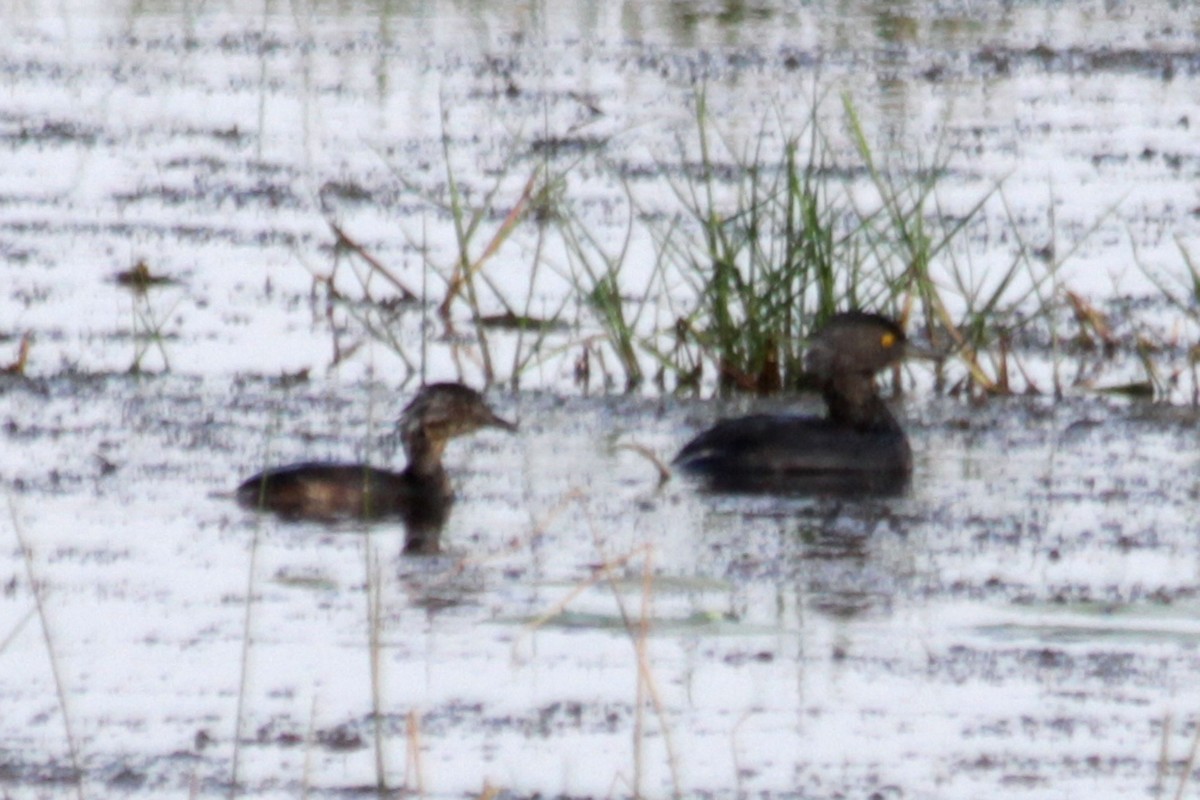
[717,283]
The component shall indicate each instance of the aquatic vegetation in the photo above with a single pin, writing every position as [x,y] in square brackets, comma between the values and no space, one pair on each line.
[1036,593]
[711,273]
[775,259]
[147,322]
[720,280]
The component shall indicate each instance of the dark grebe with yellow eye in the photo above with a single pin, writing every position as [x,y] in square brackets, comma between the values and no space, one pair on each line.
[420,494]
[858,447]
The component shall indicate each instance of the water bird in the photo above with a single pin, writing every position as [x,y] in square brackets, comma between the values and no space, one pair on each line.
[420,494]
[858,447]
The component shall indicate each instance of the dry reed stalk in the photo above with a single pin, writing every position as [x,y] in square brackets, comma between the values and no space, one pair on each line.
[36,590]
[413,771]
[344,241]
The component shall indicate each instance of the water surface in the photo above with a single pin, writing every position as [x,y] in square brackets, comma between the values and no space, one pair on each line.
[1020,623]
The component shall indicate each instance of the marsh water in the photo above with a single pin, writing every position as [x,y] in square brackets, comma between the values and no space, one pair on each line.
[1022,622]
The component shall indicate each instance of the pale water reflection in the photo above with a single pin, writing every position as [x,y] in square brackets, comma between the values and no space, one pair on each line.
[1018,622]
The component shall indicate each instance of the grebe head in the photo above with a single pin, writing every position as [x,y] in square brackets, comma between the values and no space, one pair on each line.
[855,343]
[442,411]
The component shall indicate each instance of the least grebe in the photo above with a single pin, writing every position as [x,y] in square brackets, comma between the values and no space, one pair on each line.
[859,446]
[420,494]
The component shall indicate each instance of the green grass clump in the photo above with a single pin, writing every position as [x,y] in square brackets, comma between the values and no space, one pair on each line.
[752,247]
[776,255]
[786,240]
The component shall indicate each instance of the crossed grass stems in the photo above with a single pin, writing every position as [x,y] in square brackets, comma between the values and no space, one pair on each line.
[760,244]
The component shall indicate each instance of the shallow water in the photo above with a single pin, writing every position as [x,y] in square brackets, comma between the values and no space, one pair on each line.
[216,146]
[1022,622]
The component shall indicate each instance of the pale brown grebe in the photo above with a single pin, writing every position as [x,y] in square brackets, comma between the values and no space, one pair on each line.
[420,494]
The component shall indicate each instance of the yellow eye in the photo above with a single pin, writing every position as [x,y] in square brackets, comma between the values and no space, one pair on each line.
[887,340]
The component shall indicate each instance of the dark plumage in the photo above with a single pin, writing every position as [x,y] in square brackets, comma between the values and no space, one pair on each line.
[859,446]
[420,494]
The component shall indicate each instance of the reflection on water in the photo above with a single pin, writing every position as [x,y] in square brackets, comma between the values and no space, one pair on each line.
[774,611]
[796,646]
[828,484]
[228,151]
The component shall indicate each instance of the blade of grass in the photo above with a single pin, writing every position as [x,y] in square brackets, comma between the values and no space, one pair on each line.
[37,589]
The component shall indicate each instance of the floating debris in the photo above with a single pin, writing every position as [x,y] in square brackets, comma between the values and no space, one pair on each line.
[139,278]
